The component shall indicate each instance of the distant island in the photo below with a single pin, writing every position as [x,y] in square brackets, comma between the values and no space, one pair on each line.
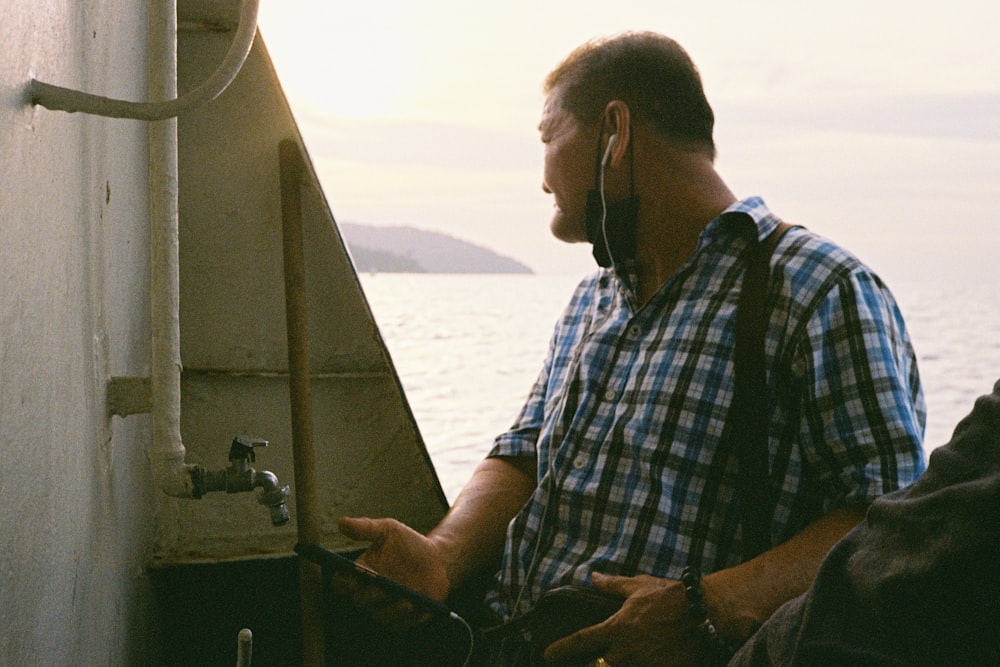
[409,250]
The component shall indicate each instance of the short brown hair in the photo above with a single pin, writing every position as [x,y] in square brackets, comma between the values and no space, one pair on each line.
[651,73]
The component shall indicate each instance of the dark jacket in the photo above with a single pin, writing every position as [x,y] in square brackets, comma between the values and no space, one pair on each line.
[916,583]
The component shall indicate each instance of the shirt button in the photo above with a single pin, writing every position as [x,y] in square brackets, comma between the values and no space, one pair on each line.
[580,461]
[559,540]
[634,332]
[610,394]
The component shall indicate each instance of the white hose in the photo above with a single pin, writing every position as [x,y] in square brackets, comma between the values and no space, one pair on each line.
[58,98]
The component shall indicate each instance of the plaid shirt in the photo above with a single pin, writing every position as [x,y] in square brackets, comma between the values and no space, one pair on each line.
[629,408]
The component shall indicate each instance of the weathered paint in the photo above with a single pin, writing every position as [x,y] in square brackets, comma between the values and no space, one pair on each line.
[80,516]
[77,500]
[233,337]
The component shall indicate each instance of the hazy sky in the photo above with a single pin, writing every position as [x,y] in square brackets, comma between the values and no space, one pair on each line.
[873,122]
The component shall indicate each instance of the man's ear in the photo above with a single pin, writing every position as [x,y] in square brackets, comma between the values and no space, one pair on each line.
[617,118]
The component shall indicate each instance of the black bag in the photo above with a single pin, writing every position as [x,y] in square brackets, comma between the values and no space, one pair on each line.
[560,612]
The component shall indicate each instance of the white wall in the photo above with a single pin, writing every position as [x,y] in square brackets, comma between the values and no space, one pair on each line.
[75,506]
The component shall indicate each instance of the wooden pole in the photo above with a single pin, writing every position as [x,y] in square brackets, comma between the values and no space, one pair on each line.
[307,512]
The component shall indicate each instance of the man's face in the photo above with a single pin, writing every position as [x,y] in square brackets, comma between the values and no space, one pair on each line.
[569,168]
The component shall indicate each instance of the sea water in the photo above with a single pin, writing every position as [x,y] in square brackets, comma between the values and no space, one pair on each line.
[467,349]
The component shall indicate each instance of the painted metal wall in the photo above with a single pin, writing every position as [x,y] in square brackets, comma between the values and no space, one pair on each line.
[370,458]
[80,518]
[76,496]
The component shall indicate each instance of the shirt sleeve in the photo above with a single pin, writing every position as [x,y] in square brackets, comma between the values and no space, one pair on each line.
[863,405]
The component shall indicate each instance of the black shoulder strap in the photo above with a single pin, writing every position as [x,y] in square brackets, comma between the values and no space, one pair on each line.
[744,435]
[749,412]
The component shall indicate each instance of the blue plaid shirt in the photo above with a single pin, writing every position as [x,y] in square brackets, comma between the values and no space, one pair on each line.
[629,409]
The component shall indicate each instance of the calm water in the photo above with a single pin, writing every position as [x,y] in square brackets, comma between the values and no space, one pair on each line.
[467,349]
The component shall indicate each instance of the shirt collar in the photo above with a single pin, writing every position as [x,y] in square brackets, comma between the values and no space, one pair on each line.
[731,222]
[752,209]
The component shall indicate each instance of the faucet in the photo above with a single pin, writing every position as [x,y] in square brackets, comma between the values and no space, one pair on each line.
[240,477]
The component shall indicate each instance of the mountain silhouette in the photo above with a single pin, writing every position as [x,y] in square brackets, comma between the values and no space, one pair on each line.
[377,249]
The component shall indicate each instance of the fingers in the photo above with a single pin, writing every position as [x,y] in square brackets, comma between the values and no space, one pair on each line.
[625,587]
[384,608]
[374,601]
[589,641]
[343,584]
[390,548]
[620,586]
[363,529]
[388,610]
[595,639]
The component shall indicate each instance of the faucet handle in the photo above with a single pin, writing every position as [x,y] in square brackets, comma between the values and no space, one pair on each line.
[243,446]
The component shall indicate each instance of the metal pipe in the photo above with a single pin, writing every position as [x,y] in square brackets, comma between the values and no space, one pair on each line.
[241,477]
[166,454]
[162,107]
[307,511]
[273,496]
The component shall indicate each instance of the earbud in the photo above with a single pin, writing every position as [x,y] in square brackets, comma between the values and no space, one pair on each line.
[607,151]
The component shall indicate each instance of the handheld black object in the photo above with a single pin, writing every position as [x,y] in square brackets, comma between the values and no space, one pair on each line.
[332,561]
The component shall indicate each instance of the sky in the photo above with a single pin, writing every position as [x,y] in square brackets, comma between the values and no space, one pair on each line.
[874,123]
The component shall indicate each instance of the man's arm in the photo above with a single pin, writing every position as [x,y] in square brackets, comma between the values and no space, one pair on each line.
[472,534]
[739,599]
[654,626]
[469,537]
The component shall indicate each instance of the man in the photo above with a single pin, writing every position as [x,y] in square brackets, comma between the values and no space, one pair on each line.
[613,475]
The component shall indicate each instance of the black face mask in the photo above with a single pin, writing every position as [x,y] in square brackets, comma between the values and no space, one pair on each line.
[611,226]
[616,241]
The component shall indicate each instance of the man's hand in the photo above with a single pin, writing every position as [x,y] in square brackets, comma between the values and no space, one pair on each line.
[469,538]
[402,554]
[653,626]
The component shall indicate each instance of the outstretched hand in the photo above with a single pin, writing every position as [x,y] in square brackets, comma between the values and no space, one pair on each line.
[653,626]
[400,553]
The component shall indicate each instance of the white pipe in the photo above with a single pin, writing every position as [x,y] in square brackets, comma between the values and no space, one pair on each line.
[58,98]
[166,455]
[244,648]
